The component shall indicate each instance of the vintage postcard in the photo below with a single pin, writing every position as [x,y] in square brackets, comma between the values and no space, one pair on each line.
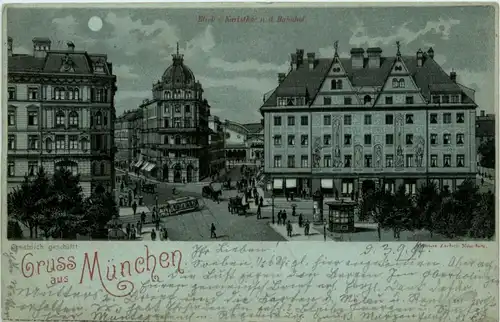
[250,162]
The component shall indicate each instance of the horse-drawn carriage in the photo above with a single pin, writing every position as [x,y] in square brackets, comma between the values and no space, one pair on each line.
[237,206]
[212,191]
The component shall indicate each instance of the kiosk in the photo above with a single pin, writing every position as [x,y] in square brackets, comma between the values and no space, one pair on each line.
[341,216]
[318,205]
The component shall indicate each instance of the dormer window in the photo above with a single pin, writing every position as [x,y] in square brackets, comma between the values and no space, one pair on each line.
[401,83]
[395,83]
[367,99]
[281,101]
[436,99]
[290,101]
[455,99]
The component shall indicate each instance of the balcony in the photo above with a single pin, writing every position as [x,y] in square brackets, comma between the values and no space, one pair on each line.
[182,129]
[179,146]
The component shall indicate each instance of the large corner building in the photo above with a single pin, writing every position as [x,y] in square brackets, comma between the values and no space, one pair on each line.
[344,125]
[60,114]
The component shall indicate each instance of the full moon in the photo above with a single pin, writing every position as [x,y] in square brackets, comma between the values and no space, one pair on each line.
[95,23]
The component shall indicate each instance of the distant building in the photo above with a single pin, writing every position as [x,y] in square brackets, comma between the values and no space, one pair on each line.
[216,143]
[485,128]
[346,125]
[60,114]
[127,133]
[244,143]
[175,137]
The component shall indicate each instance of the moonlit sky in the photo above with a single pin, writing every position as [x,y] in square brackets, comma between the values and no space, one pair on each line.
[238,63]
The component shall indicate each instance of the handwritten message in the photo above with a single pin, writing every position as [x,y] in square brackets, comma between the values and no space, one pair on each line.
[320,282]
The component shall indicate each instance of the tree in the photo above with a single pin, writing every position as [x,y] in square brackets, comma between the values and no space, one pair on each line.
[427,206]
[402,215]
[488,154]
[376,205]
[483,219]
[14,230]
[100,208]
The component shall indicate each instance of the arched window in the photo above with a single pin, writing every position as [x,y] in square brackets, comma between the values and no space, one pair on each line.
[85,144]
[48,144]
[177,140]
[58,93]
[76,94]
[70,94]
[367,99]
[188,94]
[395,83]
[60,119]
[401,83]
[73,119]
[98,118]
[333,84]
[339,84]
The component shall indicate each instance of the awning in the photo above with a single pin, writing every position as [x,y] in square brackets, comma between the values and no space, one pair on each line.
[138,164]
[277,183]
[327,183]
[145,165]
[150,167]
[291,183]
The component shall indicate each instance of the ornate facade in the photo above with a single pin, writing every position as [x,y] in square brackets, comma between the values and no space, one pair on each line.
[175,136]
[244,143]
[60,114]
[127,133]
[342,125]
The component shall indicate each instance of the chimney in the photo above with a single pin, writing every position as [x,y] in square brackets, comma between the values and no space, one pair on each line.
[300,57]
[420,58]
[453,76]
[357,58]
[430,52]
[71,46]
[294,61]
[41,46]
[311,60]
[374,54]
[281,77]
[9,46]
[482,113]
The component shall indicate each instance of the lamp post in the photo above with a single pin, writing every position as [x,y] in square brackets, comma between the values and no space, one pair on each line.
[272,198]
[156,201]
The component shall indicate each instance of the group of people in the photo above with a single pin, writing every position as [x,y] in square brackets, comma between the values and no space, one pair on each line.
[163,232]
[289,228]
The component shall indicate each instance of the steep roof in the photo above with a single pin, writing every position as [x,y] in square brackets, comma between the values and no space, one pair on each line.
[253,127]
[430,77]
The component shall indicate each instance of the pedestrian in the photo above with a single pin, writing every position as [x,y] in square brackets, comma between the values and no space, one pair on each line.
[122,186]
[286,195]
[153,235]
[284,217]
[133,233]
[324,232]
[153,216]
[306,228]
[279,217]
[289,228]
[261,201]
[165,234]
[212,231]
[139,227]
[157,223]
[134,207]
[259,214]
[128,230]
[300,220]
[143,217]
[217,195]
[482,181]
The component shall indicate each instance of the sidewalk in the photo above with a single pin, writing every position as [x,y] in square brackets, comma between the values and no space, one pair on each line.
[298,233]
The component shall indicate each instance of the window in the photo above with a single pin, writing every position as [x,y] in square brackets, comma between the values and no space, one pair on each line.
[333,84]
[409,160]
[347,160]
[347,187]
[99,95]
[389,139]
[98,118]
[290,101]
[409,100]
[303,120]
[368,139]
[368,160]
[187,122]
[32,93]
[11,169]
[12,117]
[327,120]
[409,118]
[410,188]
[60,142]
[291,120]
[447,118]
[347,139]
[395,83]
[347,101]
[460,117]
[436,99]
[401,83]
[277,121]
[177,122]
[460,138]
[48,144]
[304,140]
[446,138]
[434,139]
[434,160]
[389,119]
[85,144]
[339,84]
[455,98]
[33,142]
[460,160]
[433,118]
[347,119]
[327,101]
[166,110]
[291,161]
[304,161]
[73,119]
[368,119]
[388,100]
[177,108]
[73,142]
[11,142]
[33,118]
[409,139]
[389,160]
[291,140]
[166,122]
[446,99]
[187,109]
[367,99]
[447,160]
[277,140]
[12,93]
[327,139]
[327,161]
[281,101]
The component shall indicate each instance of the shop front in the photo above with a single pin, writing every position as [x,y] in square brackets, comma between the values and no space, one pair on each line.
[327,188]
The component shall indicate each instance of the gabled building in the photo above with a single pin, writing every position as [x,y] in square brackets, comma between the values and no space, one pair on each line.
[344,125]
[60,114]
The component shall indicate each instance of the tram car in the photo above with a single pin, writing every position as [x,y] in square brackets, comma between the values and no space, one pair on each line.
[179,206]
